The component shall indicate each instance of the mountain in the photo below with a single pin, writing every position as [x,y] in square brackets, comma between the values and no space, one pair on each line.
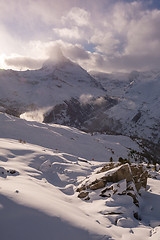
[56,81]
[64,93]
[137,109]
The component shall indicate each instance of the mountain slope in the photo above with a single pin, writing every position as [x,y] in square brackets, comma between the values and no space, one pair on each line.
[137,110]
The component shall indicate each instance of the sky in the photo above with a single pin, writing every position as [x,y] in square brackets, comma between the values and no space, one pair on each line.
[103,35]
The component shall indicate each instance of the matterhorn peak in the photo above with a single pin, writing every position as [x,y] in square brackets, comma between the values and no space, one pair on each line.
[56,58]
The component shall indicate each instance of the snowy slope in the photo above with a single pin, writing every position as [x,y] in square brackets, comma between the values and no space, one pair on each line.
[115,83]
[39,200]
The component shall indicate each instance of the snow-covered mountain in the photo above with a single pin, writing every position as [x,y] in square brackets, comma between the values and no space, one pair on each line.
[56,81]
[139,99]
[62,92]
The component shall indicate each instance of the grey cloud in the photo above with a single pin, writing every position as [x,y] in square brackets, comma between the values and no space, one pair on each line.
[75,52]
[72,51]
[124,33]
[24,62]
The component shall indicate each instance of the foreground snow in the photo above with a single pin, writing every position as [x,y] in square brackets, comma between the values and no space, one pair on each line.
[38,200]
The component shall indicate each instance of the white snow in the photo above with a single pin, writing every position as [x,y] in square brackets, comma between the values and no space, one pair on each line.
[39,200]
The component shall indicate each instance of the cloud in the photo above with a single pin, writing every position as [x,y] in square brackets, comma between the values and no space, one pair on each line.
[68,33]
[73,51]
[129,39]
[107,35]
[76,52]
[77,16]
[24,62]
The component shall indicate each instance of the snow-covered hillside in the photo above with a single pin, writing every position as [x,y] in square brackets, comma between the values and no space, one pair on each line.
[41,166]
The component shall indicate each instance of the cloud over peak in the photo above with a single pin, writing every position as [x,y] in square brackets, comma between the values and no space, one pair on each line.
[105,35]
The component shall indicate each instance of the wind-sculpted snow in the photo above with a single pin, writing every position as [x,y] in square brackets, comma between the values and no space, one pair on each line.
[41,166]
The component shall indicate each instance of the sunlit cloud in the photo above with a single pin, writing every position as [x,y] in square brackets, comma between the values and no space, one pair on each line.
[77,16]
[68,33]
[124,34]
[23,63]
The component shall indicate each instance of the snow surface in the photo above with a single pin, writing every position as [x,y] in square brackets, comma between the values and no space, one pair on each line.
[38,200]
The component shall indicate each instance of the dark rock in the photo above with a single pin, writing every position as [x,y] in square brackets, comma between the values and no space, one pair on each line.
[135,200]
[137,117]
[136,215]
[83,194]
[99,184]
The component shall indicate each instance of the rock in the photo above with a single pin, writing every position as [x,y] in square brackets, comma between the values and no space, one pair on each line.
[108,167]
[121,180]
[140,175]
[83,194]
[135,200]
[81,188]
[99,184]
[136,215]
[12,171]
[123,172]
[87,199]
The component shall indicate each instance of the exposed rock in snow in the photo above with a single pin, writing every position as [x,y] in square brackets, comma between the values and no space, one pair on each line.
[119,179]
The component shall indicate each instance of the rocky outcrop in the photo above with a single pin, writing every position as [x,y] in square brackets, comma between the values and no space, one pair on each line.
[139,176]
[118,179]
[83,194]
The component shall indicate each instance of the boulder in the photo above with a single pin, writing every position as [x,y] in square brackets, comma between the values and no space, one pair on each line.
[99,184]
[123,172]
[83,194]
[140,175]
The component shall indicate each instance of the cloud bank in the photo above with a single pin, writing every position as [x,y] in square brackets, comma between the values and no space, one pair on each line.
[103,35]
